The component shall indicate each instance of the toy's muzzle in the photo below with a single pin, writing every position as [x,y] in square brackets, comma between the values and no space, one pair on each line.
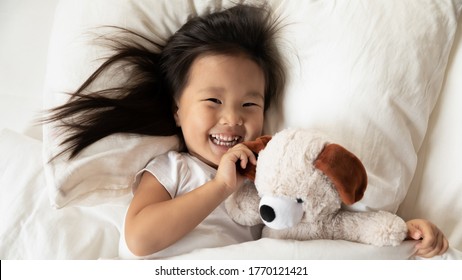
[280,212]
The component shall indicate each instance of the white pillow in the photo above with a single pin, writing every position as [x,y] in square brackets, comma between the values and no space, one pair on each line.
[366,72]
[437,184]
[369,73]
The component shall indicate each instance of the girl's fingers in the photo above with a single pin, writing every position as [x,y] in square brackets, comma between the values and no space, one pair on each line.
[438,246]
[243,159]
[245,155]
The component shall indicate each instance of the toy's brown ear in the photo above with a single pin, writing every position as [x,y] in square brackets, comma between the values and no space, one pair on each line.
[255,146]
[345,170]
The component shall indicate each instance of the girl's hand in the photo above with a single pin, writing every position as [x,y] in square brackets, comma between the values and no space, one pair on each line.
[432,240]
[227,173]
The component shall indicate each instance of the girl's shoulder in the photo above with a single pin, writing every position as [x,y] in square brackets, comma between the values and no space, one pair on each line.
[181,159]
[170,169]
[170,155]
[172,158]
[179,166]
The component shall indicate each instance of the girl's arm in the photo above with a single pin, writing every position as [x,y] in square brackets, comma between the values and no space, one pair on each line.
[154,221]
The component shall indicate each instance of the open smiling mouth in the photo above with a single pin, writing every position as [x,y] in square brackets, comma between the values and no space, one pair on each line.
[223,140]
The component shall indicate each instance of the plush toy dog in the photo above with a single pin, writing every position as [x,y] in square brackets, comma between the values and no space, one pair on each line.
[301,181]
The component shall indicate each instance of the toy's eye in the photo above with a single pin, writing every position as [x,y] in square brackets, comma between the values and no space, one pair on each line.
[299,200]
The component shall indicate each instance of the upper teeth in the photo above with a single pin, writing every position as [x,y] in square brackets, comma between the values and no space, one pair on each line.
[224,139]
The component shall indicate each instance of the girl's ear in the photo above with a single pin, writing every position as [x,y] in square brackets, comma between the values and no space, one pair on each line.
[175,115]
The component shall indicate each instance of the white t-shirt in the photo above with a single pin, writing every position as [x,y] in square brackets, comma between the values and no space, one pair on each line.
[181,173]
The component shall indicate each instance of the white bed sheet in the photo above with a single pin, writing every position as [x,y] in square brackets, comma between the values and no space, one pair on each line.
[31,228]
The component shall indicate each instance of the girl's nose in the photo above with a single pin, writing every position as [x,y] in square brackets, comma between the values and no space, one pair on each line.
[231,117]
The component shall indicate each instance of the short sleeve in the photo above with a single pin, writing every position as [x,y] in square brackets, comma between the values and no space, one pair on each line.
[170,169]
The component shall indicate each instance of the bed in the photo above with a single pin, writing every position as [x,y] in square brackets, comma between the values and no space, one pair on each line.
[381,77]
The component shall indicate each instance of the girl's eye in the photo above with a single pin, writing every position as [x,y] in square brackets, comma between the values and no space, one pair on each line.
[214,100]
[249,104]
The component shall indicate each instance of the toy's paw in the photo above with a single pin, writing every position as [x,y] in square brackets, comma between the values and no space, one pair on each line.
[391,231]
[242,206]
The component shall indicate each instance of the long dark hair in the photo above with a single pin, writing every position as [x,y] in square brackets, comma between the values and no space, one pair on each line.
[145,103]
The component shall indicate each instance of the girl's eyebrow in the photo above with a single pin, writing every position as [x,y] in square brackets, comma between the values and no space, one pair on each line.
[212,89]
[256,94]
[220,90]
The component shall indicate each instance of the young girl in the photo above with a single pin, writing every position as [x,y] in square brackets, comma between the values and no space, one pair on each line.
[211,85]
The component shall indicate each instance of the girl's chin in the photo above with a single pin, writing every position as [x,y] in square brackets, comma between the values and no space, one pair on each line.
[221,150]
[218,151]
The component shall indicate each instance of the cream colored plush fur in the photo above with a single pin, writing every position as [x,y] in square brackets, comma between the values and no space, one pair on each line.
[305,203]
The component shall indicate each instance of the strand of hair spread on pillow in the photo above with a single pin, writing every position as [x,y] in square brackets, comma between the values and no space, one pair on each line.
[144,104]
[136,107]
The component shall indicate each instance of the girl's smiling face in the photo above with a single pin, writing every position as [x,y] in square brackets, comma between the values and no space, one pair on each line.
[221,105]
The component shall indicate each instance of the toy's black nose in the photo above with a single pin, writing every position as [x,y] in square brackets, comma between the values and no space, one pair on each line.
[267,213]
